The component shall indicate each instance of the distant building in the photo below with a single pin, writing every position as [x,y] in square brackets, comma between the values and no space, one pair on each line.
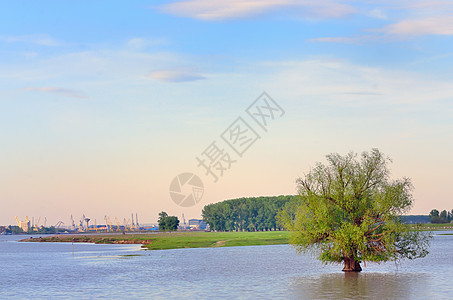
[197,224]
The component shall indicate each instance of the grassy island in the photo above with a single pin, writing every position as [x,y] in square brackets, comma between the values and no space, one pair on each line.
[176,240]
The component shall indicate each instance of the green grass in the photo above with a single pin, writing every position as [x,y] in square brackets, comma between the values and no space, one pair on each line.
[177,240]
[446,226]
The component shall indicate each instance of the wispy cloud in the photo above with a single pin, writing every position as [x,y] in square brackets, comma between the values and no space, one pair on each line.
[175,75]
[402,30]
[442,25]
[363,93]
[406,19]
[346,40]
[377,14]
[38,39]
[64,92]
[343,83]
[139,44]
[214,10]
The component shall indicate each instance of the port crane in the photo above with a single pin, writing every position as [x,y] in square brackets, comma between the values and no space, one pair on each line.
[136,222]
[60,223]
[72,224]
[108,223]
[117,224]
[36,225]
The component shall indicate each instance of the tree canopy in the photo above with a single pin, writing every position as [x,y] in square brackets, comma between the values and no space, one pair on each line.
[351,212]
[442,217]
[167,223]
[246,214]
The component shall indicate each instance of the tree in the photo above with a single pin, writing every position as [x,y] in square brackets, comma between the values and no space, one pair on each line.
[434,216]
[350,213]
[167,223]
[443,216]
[245,214]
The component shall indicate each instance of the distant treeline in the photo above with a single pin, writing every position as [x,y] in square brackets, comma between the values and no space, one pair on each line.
[259,214]
[415,219]
[246,214]
[17,230]
[440,217]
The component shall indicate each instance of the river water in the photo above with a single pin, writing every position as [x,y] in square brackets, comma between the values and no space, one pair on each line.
[54,271]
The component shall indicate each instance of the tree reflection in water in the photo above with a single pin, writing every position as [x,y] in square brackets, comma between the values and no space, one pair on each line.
[351,285]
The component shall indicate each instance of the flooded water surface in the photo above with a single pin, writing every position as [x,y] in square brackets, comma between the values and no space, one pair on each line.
[54,271]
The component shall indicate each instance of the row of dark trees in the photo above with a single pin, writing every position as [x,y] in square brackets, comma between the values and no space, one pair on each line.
[442,217]
[17,230]
[246,214]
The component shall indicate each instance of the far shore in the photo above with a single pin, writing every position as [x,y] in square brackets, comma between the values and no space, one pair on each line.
[184,239]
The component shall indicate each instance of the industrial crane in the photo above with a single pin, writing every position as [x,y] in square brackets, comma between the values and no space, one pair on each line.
[117,224]
[109,224]
[126,224]
[72,224]
[60,223]
[24,225]
[136,222]
[36,225]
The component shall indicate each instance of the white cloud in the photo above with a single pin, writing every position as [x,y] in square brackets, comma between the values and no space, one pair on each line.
[346,40]
[343,83]
[220,10]
[442,25]
[38,39]
[378,14]
[175,75]
[138,44]
[62,91]
[407,19]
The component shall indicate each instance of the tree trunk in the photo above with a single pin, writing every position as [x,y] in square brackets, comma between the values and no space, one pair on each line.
[351,265]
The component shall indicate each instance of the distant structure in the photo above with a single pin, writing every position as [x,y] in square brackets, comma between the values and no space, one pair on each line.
[24,225]
[73,228]
[184,221]
[136,221]
[196,224]
[87,220]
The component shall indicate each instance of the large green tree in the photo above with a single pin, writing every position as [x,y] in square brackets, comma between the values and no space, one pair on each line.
[167,223]
[351,212]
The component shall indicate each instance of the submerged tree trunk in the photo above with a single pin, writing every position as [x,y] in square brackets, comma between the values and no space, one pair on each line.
[351,265]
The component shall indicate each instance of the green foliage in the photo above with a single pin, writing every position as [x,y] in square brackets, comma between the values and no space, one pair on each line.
[47,230]
[442,217]
[14,230]
[167,223]
[351,210]
[246,214]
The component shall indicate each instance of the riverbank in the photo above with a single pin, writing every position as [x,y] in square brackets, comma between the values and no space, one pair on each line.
[176,240]
[433,227]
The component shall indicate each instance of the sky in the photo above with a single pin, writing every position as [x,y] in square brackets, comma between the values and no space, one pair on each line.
[104,103]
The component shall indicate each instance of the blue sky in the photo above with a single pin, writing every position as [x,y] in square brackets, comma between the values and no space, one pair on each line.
[103,103]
